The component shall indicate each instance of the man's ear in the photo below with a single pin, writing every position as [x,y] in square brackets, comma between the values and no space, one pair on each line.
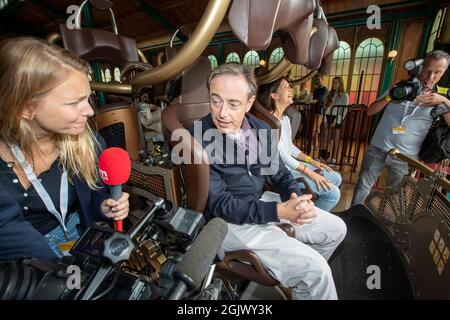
[250,103]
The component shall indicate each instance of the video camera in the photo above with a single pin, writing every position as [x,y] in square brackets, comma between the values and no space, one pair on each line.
[411,88]
[147,262]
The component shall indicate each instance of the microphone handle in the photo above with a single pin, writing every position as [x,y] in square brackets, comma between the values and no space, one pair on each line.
[116,193]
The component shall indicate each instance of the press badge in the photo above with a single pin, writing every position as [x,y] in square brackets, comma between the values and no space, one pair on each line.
[399,130]
[66,246]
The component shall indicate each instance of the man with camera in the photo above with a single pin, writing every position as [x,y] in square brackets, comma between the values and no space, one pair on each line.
[405,123]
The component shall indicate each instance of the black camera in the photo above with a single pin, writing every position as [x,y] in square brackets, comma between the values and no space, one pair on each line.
[105,264]
[408,90]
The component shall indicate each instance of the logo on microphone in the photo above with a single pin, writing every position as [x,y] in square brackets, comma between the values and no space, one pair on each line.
[103,175]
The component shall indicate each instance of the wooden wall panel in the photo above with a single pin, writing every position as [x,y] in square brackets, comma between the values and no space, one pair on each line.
[409,46]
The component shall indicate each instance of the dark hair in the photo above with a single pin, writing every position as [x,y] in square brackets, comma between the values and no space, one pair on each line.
[265,98]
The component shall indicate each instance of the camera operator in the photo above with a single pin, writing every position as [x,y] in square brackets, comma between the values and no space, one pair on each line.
[404,125]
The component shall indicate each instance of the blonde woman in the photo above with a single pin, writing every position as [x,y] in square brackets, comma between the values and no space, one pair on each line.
[277,96]
[48,152]
[334,117]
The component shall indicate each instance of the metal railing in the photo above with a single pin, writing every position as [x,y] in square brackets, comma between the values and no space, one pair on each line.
[339,135]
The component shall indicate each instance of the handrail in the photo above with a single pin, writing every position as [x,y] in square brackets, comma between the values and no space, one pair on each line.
[305,78]
[202,35]
[416,164]
[276,72]
[120,88]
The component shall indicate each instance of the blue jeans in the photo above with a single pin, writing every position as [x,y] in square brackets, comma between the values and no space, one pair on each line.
[374,162]
[327,199]
[57,235]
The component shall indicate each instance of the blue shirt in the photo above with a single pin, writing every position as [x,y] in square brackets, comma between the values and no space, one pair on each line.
[235,189]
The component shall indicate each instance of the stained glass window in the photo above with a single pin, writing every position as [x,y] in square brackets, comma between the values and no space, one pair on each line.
[107,75]
[275,57]
[436,29]
[340,65]
[366,72]
[213,61]
[103,75]
[3,4]
[117,74]
[233,57]
[251,59]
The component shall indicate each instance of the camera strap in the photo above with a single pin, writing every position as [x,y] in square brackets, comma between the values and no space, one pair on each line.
[43,194]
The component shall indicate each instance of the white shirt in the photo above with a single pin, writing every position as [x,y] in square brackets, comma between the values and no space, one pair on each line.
[288,151]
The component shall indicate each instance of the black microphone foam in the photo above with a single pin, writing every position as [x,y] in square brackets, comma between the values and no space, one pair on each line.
[197,260]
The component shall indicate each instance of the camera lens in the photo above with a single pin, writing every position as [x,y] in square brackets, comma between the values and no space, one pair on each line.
[165,213]
[400,93]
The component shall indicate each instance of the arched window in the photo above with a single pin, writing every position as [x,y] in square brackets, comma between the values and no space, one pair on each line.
[3,4]
[213,61]
[251,59]
[367,71]
[340,65]
[117,74]
[435,31]
[233,57]
[107,75]
[275,57]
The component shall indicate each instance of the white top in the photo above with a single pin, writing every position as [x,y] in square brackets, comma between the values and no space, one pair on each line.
[288,151]
[336,100]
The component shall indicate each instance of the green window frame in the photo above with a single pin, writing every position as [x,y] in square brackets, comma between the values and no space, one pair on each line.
[275,57]
[233,57]
[213,61]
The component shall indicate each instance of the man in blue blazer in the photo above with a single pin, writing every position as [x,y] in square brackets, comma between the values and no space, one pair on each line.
[243,156]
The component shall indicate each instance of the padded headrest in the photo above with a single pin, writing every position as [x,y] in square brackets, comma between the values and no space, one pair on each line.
[332,45]
[193,82]
[255,21]
[317,44]
[262,113]
[99,45]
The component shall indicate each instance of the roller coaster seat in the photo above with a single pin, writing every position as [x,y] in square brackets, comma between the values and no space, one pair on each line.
[188,107]
[262,113]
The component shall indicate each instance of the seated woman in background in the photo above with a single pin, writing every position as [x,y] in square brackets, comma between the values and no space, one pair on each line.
[48,152]
[276,97]
[303,94]
[334,118]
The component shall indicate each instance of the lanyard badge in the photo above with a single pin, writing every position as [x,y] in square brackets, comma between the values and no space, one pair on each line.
[43,194]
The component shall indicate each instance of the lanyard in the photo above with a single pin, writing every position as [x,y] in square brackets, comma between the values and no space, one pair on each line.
[406,110]
[43,194]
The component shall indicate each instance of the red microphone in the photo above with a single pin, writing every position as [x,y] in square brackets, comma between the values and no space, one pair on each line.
[114,167]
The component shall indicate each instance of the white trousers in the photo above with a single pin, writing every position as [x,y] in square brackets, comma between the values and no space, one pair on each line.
[299,263]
